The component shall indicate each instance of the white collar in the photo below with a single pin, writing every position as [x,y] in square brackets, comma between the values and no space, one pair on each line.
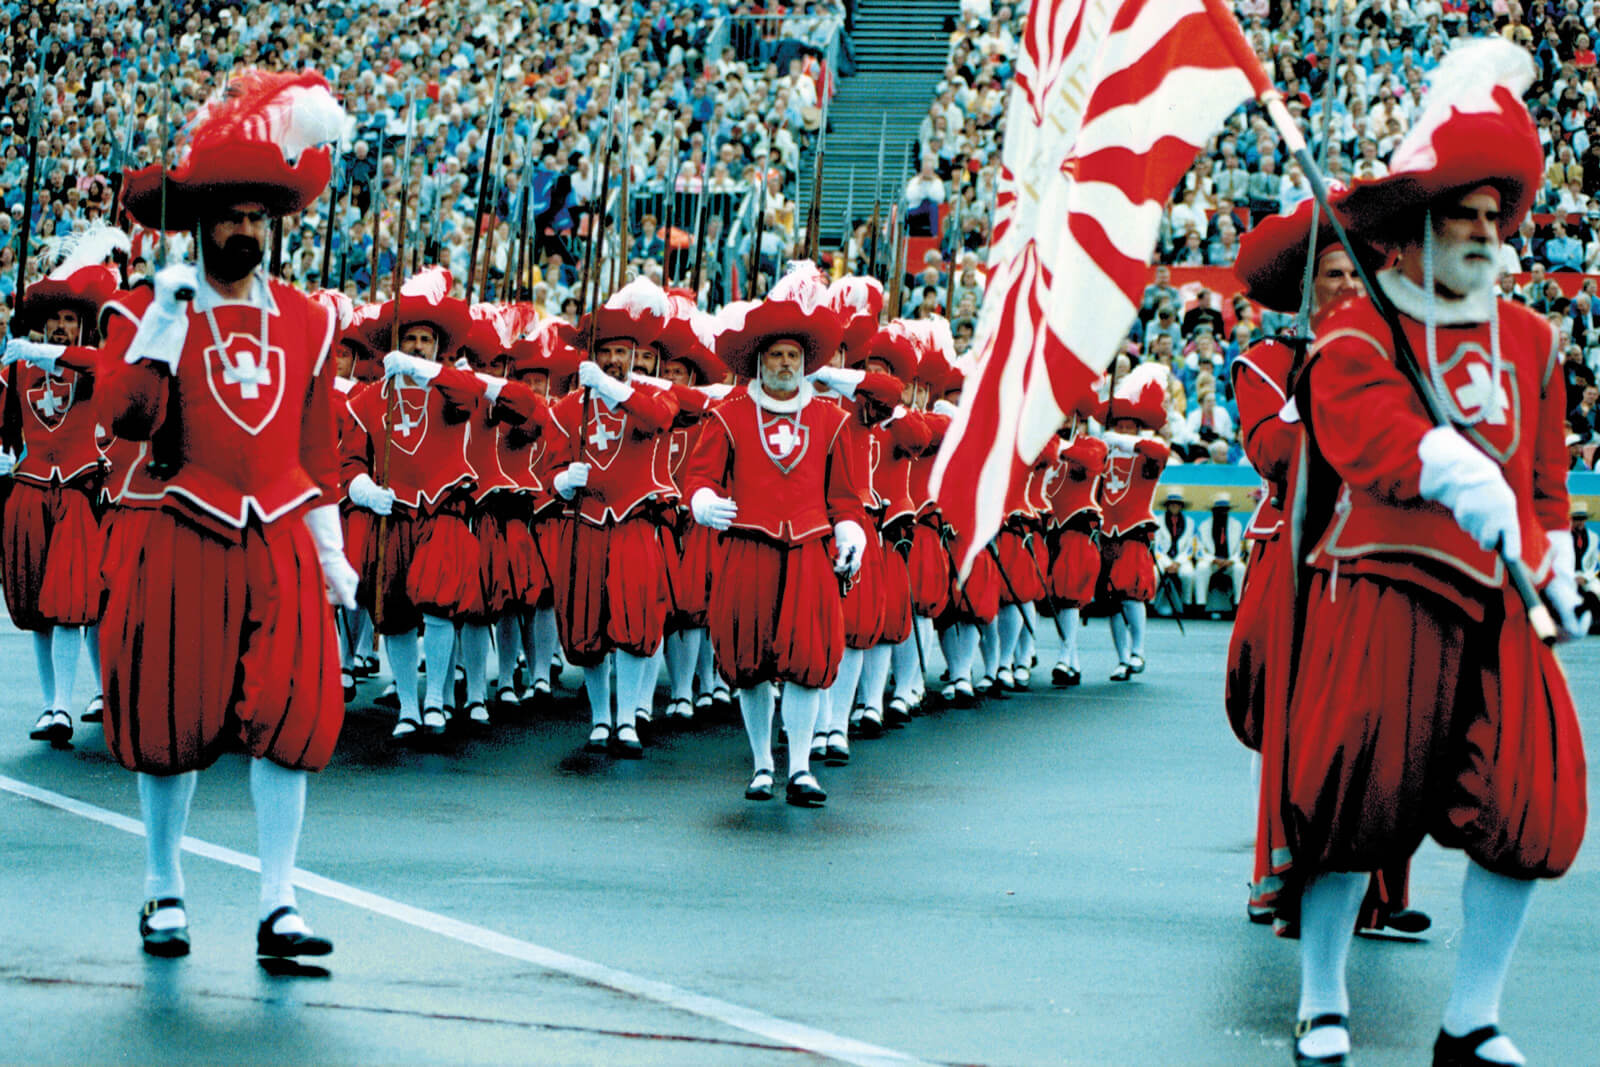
[1471,310]
[208,299]
[781,407]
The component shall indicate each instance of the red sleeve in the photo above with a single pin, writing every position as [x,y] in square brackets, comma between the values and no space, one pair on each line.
[566,416]
[85,359]
[690,401]
[133,396]
[1269,442]
[1550,504]
[10,412]
[1154,454]
[884,388]
[1366,418]
[846,481]
[707,465]
[910,434]
[938,426]
[463,393]
[1087,452]
[320,454]
[652,410]
[520,405]
[356,443]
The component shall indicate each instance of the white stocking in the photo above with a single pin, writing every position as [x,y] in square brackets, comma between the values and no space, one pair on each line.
[597,683]
[989,646]
[438,648]
[950,648]
[91,648]
[401,650]
[507,645]
[907,670]
[1328,909]
[279,796]
[755,704]
[1134,612]
[636,685]
[875,675]
[966,649]
[841,694]
[1026,640]
[164,803]
[800,708]
[683,648]
[1493,908]
[47,669]
[1007,626]
[1071,622]
[1119,635]
[64,657]
[475,658]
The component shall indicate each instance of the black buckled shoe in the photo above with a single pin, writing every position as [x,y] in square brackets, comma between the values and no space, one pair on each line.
[837,753]
[1122,673]
[896,714]
[804,792]
[625,743]
[760,787]
[599,739]
[271,943]
[1317,1022]
[1449,1051]
[168,944]
[869,725]
[1136,663]
[96,711]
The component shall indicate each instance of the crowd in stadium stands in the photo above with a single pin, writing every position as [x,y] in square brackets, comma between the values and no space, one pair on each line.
[717,91]
[713,88]
[1387,48]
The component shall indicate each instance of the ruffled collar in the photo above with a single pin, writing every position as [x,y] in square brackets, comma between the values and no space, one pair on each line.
[1473,309]
[781,407]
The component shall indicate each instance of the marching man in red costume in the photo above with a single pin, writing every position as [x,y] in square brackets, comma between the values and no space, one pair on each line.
[1424,702]
[217,632]
[1136,459]
[610,605]
[1074,497]
[405,462]
[50,539]
[773,471]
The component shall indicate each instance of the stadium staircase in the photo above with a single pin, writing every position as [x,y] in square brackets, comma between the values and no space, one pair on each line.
[901,48]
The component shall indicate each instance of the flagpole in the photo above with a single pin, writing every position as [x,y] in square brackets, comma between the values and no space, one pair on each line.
[1303,320]
[484,175]
[1405,361]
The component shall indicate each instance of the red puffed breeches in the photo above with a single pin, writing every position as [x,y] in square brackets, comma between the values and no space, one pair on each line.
[1075,569]
[1410,718]
[208,645]
[1259,650]
[930,572]
[50,552]
[430,567]
[1023,562]
[1130,568]
[615,599]
[775,613]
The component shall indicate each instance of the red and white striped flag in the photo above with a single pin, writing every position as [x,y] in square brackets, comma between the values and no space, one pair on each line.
[1112,101]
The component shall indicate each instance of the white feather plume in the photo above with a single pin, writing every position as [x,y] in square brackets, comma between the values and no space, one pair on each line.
[1464,81]
[90,247]
[640,298]
[803,284]
[1135,381]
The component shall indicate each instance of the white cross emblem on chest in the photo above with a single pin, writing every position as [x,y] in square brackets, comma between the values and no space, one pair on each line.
[601,437]
[1480,394]
[782,439]
[674,447]
[50,402]
[247,375]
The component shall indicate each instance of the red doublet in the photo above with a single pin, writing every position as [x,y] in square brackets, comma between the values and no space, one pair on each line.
[1126,496]
[1071,497]
[217,631]
[50,541]
[698,552]
[928,564]
[521,439]
[1423,703]
[1261,388]
[615,598]
[775,610]
[255,438]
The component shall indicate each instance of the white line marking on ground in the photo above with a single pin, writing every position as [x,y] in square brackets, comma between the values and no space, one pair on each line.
[796,1035]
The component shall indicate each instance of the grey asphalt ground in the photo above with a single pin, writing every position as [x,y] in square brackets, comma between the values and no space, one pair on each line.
[1054,878]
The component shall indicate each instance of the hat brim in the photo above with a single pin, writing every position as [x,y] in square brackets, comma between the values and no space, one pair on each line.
[449,319]
[1272,255]
[85,292]
[679,342]
[818,332]
[213,178]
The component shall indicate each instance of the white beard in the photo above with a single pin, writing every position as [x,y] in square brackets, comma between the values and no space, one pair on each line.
[1453,270]
[779,381]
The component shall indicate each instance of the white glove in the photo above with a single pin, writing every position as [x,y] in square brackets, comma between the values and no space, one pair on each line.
[717,391]
[366,493]
[1472,486]
[944,407]
[8,463]
[164,327]
[175,285]
[590,376]
[709,509]
[1562,592]
[398,364]
[323,523]
[1120,442]
[492,386]
[569,481]
[1290,412]
[850,540]
[43,356]
[841,380]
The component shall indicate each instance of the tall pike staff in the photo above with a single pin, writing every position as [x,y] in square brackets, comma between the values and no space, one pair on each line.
[814,209]
[754,268]
[377,211]
[877,199]
[340,172]
[849,216]
[28,192]
[701,218]
[1518,574]
[668,210]
[624,194]
[394,345]
[484,174]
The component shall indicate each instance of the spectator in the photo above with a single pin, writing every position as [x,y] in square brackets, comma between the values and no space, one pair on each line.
[1577,375]
[1563,252]
[1584,419]
[1157,291]
[1210,424]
